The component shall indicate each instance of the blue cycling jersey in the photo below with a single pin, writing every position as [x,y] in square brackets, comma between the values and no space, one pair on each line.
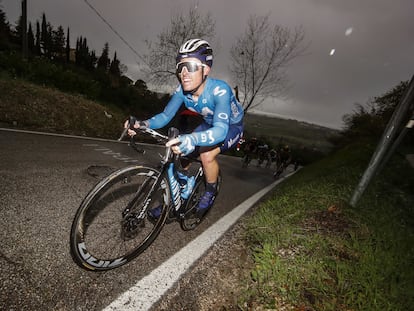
[217,104]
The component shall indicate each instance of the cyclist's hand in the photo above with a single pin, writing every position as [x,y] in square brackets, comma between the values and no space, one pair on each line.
[184,144]
[136,124]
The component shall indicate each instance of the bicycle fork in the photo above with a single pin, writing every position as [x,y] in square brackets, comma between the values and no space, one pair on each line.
[148,194]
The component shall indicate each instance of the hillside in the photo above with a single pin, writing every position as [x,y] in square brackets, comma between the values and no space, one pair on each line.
[28,106]
[24,105]
[288,131]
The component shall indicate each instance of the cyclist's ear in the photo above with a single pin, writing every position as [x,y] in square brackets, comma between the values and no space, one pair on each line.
[206,70]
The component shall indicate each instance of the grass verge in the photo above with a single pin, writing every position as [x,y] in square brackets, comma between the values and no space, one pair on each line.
[313,251]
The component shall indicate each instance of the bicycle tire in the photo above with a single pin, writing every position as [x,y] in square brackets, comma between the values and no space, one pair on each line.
[279,171]
[104,233]
[190,220]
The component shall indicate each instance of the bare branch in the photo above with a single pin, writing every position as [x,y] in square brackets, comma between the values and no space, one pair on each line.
[162,53]
[260,57]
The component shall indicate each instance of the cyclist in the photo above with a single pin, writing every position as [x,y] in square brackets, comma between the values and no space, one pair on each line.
[271,157]
[214,100]
[262,151]
[285,156]
[250,151]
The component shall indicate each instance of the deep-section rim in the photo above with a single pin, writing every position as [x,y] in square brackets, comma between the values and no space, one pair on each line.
[76,238]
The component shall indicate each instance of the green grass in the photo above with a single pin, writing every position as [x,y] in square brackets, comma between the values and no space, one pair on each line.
[313,251]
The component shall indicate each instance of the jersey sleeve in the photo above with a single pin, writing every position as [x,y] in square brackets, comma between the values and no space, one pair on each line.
[221,118]
[160,120]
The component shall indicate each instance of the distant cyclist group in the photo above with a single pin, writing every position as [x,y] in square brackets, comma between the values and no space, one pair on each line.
[280,157]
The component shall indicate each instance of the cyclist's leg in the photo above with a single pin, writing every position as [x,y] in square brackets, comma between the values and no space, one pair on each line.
[208,156]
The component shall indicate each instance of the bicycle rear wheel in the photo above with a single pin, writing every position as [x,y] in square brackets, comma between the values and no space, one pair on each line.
[111,226]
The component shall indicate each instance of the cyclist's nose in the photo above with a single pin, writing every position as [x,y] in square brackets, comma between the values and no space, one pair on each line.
[184,70]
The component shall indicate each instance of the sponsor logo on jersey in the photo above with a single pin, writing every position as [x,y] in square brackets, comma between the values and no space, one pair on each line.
[234,109]
[207,137]
[219,92]
[206,111]
[231,142]
[223,116]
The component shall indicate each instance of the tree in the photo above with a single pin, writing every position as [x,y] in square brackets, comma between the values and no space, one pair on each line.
[386,103]
[92,60]
[67,48]
[260,57]
[162,54]
[79,52]
[364,121]
[58,43]
[38,50]
[370,120]
[46,37]
[114,67]
[17,33]
[83,57]
[141,86]
[4,30]
[103,60]
[31,40]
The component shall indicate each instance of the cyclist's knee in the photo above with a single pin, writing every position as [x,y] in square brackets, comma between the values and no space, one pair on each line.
[209,156]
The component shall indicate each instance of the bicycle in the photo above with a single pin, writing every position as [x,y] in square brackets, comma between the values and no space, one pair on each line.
[280,169]
[112,227]
[246,160]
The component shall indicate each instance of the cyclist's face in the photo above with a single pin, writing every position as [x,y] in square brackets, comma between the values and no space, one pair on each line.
[190,71]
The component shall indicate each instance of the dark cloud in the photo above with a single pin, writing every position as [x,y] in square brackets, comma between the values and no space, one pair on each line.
[367,62]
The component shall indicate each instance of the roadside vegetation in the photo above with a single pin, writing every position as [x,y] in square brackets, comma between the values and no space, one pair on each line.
[313,251]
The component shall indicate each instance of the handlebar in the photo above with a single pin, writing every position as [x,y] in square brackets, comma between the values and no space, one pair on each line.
[149,131]
[172,133]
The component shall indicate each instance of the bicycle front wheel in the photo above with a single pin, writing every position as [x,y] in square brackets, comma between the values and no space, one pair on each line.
[111,226]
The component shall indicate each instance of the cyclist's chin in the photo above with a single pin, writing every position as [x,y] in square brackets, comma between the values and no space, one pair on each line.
[188,86]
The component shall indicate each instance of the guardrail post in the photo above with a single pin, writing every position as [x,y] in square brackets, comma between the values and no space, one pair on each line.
[398,117]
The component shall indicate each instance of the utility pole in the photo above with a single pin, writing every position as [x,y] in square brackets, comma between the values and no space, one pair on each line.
[24,29]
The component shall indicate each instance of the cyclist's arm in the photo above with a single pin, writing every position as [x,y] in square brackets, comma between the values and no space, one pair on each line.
[160,120]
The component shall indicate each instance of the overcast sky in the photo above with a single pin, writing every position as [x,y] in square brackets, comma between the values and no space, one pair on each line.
[357,49]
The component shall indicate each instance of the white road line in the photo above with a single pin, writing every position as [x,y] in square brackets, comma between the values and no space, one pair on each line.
[149,289]
[59,135]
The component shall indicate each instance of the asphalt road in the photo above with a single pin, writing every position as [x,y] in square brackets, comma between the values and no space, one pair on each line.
[43,179]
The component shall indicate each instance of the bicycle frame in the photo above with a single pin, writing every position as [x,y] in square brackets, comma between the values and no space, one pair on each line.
[169,164]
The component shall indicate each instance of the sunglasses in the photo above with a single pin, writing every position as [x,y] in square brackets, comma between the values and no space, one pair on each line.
[190,66]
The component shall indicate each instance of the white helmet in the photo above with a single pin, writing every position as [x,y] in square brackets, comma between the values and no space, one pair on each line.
[196,48]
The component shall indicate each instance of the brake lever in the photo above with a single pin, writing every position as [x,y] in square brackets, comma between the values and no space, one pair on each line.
[132,143]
